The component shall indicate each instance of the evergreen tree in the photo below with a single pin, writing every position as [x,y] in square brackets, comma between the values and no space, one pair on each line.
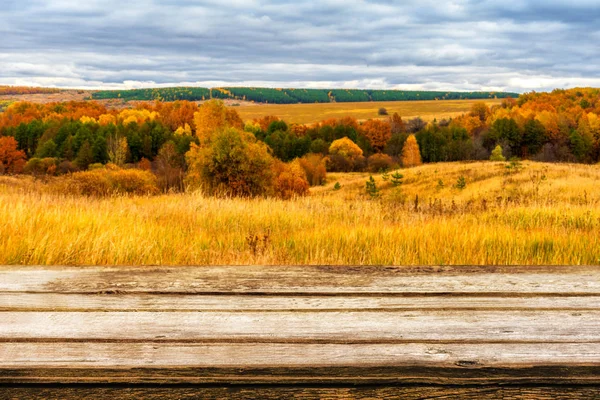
[534,136]
[371,188]
[85,156]
[47,150]
[100,150]
[397,178]
[67,149]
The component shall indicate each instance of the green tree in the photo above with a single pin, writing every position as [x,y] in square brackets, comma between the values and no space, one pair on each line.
[580,147]
[507,129]
[461,183]
[397,178]
[47,150]
[497,154]
[534,136]
[100,150]
[85,156]
[371,188]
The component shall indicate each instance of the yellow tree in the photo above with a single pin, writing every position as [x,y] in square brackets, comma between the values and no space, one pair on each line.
[117,150]
[213,116]
[411,157]
[345,148]
[343,155]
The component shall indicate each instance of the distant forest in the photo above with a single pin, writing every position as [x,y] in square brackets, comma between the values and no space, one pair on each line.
[290,96]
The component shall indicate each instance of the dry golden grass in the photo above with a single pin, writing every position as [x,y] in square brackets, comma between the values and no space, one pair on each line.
[310,113]
[501,217]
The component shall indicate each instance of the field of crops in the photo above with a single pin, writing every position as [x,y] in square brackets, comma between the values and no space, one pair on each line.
[310,113]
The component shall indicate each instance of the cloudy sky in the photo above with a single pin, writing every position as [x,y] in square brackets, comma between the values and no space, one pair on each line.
[517,45]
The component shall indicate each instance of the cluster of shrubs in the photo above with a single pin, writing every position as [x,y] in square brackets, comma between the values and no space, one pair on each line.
[106,181]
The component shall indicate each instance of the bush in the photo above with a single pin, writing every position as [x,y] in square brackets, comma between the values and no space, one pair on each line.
[144,164]
[106,182]
[380,162]
[66,167]
[290,180]
[382,111]
[41,166]
[497,154]
[315,168]
[95,166]
[461,183]
[339,163]
[360,164]
[233,163]
[132,182]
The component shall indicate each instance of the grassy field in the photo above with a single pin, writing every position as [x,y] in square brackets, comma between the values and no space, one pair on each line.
[533,214]
[310,113]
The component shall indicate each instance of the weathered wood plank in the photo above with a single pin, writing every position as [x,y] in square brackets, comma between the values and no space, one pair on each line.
[331,326]
[15,301]
[278,355]
[304,279]
[307,376]
[300,326]
[278,392]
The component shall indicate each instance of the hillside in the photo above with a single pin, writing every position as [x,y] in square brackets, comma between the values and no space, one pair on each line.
[536,213]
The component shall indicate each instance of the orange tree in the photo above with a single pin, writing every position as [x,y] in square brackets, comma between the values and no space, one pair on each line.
[12,160]
[377,133]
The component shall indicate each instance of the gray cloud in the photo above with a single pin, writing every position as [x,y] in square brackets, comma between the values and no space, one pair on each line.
[452,45]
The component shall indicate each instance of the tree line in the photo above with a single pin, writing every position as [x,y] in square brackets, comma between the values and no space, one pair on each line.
[289,96]
[209,146]
[20,90]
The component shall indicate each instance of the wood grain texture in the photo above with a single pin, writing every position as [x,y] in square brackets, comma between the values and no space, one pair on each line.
[300,331]
[302,393]
[13,301]
[334,326]
[245,355]
[331,280]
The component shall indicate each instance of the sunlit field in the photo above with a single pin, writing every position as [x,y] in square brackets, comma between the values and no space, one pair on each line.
[310,113]
[529,214]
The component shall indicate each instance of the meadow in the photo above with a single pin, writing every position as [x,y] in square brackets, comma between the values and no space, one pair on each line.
[465,213]
[311,113]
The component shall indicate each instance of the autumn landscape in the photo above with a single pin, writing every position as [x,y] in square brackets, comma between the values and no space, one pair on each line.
[497,180]
[259,132]
[333,199]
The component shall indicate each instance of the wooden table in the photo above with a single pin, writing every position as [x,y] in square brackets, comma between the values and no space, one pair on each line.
[299,331]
